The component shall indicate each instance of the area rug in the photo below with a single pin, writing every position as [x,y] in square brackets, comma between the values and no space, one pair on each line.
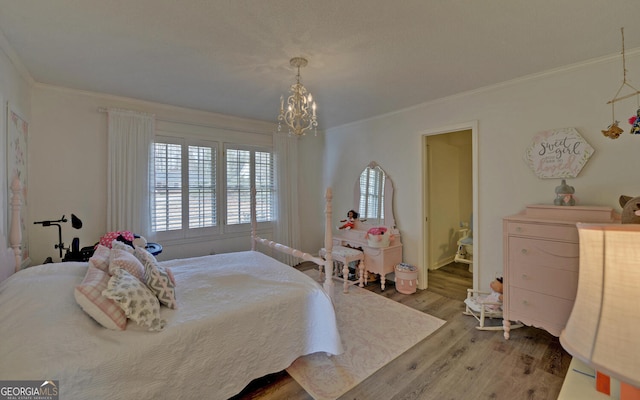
[374,331]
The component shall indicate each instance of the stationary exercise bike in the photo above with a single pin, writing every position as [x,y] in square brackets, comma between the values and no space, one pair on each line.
[73,253]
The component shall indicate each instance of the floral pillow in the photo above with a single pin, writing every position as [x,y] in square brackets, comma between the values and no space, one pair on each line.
[89,296]
[122,259]
[159,279]
[135,298]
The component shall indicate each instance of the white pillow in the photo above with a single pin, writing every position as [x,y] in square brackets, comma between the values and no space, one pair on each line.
[135,298]
[89,296]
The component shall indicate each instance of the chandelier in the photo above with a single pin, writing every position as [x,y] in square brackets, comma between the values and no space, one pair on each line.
[298,116]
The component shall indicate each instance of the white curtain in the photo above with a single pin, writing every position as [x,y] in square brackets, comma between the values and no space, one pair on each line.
[130,141]
[287,226]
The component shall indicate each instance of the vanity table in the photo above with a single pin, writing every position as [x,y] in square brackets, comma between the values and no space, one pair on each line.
[377,260]
[373,200]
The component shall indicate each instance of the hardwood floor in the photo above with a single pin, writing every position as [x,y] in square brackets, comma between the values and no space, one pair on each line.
[456,362]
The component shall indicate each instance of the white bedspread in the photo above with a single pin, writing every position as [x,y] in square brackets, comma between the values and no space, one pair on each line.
[240,316]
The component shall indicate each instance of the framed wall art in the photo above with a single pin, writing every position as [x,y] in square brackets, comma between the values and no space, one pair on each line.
[17,139]
[558,153]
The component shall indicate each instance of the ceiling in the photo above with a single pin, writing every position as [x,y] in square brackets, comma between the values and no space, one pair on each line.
[366,57]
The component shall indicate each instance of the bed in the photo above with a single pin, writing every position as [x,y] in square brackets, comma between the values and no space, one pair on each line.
[239,316]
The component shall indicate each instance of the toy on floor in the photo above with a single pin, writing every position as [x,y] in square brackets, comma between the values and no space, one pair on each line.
[482,305]
[349,223]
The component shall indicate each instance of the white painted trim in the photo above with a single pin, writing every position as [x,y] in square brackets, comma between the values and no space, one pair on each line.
[422,253]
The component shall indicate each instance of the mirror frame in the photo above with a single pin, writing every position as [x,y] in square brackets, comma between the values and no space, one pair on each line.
[389,218]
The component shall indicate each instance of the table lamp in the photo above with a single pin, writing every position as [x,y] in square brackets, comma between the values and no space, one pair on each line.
[603,330]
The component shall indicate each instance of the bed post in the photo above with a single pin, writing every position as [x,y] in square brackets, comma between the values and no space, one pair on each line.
[15,233]
[254,223]
[328,244]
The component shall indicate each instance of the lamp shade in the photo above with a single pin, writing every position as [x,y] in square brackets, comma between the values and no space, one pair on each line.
[604,327]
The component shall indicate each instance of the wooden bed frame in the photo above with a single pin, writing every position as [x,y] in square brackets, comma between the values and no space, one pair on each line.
[327,262]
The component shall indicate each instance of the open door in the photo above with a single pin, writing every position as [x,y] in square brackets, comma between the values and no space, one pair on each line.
[449,196]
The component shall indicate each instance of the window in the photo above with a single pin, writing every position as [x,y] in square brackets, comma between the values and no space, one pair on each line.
[184,185]
[188,202]
[245,167]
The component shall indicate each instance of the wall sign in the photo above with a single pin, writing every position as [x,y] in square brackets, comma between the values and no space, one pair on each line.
[558,153]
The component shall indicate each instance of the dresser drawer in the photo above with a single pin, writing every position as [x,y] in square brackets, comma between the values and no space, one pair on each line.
[545,253]
[550,281]
[526,304]
[567,232]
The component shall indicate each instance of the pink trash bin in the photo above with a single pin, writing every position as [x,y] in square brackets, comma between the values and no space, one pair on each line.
[406,278]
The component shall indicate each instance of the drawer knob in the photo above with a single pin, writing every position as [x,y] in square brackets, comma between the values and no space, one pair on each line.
[525,302]
[524,251]
[518,229]
[525,276]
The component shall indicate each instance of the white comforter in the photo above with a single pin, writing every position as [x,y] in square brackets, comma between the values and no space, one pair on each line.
[240,316]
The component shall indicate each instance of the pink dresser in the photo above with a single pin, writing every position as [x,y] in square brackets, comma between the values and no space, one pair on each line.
[541,261]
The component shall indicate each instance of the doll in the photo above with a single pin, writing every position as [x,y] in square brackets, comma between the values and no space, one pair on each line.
[491,301]
[349,223]
[496,291]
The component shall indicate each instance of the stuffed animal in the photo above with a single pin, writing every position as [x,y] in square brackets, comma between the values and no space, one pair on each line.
[564,195]
[630,209]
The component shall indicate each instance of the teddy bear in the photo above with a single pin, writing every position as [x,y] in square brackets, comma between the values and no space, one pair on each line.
[630,209]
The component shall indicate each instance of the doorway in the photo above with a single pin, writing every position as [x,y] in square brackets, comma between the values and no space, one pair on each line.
[449,195]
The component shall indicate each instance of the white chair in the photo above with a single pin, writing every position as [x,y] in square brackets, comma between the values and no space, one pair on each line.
[464,253]
[481,306]
[346,255]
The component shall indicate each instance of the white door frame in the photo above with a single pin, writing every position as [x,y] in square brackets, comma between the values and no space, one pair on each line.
[473,126]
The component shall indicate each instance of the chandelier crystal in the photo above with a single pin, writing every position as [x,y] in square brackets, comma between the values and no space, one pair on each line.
[300,113]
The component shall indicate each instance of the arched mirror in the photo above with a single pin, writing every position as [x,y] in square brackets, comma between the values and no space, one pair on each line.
[373,197]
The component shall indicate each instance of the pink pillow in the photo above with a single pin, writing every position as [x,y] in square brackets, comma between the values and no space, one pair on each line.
[111,236]
[89,296]
[127,261]
[100,258]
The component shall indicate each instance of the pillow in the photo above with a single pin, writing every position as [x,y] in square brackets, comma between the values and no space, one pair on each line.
[122,259]
[135,298]
[160,280]
[100,258]
[117,244]
[89,296]
[109,237]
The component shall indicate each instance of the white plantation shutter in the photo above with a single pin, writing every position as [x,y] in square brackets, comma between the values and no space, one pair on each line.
[202,187]
[243,168]
[167,201]
[184,186]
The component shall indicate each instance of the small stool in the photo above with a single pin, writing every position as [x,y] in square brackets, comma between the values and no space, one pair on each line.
[346,255]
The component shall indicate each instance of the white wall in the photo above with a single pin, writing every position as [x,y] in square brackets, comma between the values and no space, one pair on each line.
[68,161]
[508,117]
